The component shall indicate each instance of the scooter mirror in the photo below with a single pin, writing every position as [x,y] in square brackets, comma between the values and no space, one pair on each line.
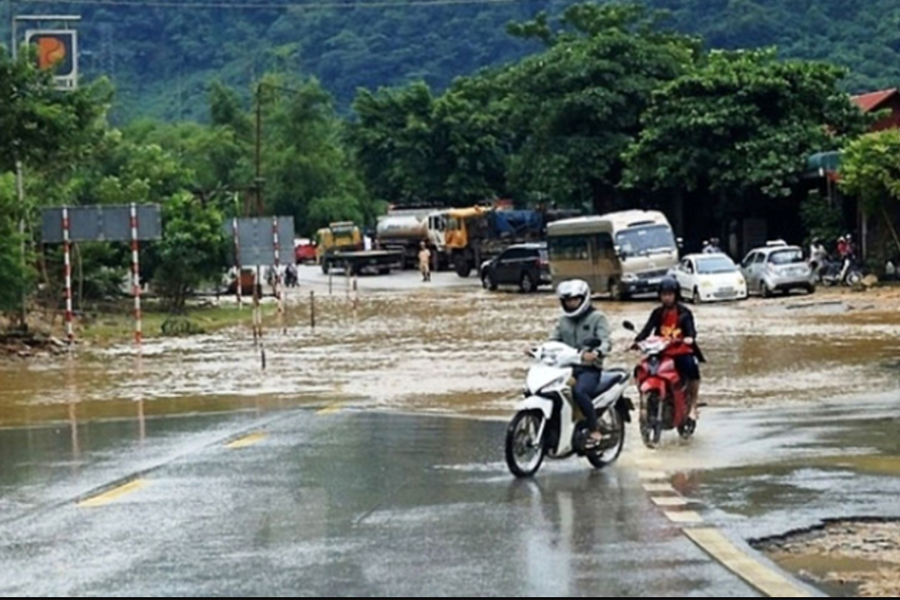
[629,326]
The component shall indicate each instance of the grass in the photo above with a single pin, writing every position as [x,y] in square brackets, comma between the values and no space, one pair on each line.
[112,327]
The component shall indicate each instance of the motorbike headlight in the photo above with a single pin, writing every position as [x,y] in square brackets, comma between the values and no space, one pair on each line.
[629,277]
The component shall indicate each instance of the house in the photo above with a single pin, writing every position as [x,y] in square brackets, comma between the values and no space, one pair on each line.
[878,101]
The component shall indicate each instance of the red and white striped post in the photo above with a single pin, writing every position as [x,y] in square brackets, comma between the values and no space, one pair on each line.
[67,259]
[237,262]
[136,275]
[277,279]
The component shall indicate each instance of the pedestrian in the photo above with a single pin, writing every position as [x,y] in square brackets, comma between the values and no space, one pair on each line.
[291,276]
[890,270]
[425,262]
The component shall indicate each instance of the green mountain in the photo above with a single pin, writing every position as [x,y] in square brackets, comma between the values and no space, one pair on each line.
[163,54]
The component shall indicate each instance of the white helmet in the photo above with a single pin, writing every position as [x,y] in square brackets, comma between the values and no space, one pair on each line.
[574,288]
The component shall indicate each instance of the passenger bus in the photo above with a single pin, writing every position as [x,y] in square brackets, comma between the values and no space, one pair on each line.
[622,253]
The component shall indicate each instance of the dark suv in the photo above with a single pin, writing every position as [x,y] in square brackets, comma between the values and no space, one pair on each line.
[524,265]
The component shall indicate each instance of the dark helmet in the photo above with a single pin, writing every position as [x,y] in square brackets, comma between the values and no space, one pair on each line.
[669,284]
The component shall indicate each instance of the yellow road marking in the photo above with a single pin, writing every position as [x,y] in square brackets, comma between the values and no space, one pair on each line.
[649,463]
[658,488]
[330,410]
[247,440]
[652,475]
[684,517]
[669,501]
[114,494]
[760,576]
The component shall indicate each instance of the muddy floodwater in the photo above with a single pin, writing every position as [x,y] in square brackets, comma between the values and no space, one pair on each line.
[447,347]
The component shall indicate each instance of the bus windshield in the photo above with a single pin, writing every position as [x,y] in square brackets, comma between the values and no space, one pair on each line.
[646,239]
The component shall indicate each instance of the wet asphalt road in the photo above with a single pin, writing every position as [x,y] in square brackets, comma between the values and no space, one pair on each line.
[341,503]
[767,472]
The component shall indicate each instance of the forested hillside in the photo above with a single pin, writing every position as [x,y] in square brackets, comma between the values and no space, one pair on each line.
[162,55]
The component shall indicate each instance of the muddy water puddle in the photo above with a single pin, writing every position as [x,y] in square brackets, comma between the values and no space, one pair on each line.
[844,558]
[443,350]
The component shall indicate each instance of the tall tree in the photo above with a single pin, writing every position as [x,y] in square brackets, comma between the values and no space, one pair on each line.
[738,129]
[577,106]
[870,170]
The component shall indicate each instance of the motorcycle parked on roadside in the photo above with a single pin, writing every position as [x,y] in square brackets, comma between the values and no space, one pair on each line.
[663,399]
[548,422]
[829,274]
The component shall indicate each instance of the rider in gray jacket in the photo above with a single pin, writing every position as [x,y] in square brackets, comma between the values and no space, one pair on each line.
[585,328]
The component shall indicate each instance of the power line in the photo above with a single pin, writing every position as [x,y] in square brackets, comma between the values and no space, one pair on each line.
[269,5]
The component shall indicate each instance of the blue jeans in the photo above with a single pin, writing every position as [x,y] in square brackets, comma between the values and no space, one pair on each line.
[586,382]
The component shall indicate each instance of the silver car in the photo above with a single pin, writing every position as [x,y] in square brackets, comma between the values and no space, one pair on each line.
[777,268]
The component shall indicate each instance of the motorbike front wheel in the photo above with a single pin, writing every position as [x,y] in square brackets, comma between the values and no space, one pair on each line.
[612,425]
[524,448]
[651,423]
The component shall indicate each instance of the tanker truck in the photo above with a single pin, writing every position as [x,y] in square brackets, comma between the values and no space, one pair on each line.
[405,230]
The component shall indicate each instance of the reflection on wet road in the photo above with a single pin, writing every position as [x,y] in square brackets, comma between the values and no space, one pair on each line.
[344,504]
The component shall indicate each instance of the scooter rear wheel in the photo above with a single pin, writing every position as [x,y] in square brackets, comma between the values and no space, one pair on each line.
[612,424]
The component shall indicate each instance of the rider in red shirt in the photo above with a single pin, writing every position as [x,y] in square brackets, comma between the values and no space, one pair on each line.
[675,321]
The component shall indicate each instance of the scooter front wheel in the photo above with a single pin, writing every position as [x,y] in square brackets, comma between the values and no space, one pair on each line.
[651,426]
[524,446]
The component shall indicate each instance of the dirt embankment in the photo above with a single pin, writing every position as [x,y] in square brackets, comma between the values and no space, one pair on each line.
[860,556]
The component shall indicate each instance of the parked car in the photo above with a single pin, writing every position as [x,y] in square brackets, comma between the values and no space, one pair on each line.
[777,267]
[304,251]
[523,265]
[710,277]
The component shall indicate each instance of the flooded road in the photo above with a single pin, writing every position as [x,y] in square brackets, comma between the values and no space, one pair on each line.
[801,427]
[776,477]
[445,347]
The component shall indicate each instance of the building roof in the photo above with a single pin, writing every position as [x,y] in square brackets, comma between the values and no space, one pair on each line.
[871,101]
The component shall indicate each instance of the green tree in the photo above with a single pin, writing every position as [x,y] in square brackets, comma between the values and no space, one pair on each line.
[39,125]
[870,170]
[576,107]
[413,148]
[15,274]
[738,129]
[192,251]
[304,164]
[50,132]
[555,123]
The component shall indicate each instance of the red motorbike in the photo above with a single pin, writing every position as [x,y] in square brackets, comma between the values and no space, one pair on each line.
[663,397]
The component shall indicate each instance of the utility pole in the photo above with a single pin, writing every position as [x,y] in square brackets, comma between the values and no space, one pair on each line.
[20,182]
[258,181]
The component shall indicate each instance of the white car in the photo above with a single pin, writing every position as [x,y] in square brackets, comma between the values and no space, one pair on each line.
[710,277]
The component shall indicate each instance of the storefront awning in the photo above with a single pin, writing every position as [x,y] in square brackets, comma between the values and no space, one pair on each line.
[824,161]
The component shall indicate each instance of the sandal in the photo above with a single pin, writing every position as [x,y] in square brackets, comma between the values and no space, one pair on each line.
[592,442]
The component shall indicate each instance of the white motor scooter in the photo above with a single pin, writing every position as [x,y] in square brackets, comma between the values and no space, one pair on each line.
[549,423]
